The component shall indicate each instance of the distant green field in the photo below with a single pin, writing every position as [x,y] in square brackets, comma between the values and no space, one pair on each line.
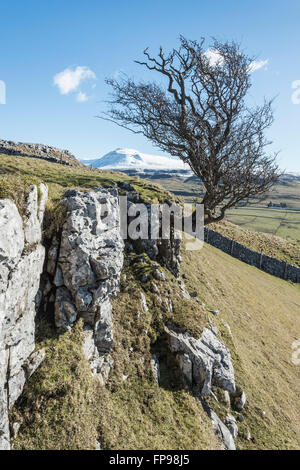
[281,222]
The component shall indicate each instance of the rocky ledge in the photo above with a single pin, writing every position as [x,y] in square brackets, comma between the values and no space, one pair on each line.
[21,265]
[75,278]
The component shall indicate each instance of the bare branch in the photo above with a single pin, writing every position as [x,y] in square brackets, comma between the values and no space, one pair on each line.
[201,117]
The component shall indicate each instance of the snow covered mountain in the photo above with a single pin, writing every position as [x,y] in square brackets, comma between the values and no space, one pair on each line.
[134,162]
[130,159]
[291,175]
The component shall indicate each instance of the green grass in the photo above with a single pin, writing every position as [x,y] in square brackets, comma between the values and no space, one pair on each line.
[59,407]
[137,414]
[263,313]
[257,217]
[140,415]
[280,222]
[64,407]
[17,173]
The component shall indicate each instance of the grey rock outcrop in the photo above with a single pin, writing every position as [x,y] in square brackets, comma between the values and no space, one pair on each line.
[222,431]
[34,213]
[238,399]
[88,269]
[165,250]
[155,367]
[21,265]
[45,152]
[144,303]
[231,424]
[206,360]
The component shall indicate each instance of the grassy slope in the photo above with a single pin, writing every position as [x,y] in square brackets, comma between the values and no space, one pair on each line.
[64,407]
[18,173]
[264,315]
[138,414]
[59,407]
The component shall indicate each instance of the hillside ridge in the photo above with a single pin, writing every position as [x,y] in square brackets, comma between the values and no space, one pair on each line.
[115,347]
[46,152]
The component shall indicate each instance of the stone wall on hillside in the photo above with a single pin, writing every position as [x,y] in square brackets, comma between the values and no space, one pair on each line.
[254,258]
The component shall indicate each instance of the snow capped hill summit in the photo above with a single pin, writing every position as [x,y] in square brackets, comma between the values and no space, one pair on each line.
[131,159]
[291,175]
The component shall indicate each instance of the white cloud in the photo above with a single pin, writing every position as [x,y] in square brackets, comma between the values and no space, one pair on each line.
[69,79]
[81,97]
[214,57]
[257,64]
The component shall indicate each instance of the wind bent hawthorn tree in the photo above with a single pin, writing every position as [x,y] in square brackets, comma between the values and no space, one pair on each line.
[200,115]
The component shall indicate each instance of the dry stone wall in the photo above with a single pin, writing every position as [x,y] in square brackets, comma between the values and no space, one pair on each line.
[254,258]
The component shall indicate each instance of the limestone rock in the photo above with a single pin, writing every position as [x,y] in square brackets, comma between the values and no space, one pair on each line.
[103,328]
[4,424]
[43,190]
[20,296]
[211,360]
[238,399]
[32,225]
[186,366]
[52,256]
[98,445]
[65,311]
[144,302]
[159,275]
[231,423]
[15,429]
[88,269]
[227,399]
[222,431]
[34,361]
[154,288]
[11,238]
[155,368]
[219,428]
[184,292]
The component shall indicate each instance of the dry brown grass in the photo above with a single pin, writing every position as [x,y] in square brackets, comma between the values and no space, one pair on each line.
[137,413]
[264,315]
[59,407]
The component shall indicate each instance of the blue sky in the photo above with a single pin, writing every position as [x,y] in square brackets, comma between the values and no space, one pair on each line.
[96,39]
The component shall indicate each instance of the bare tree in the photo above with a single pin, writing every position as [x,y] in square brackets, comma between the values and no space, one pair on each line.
[201,116]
